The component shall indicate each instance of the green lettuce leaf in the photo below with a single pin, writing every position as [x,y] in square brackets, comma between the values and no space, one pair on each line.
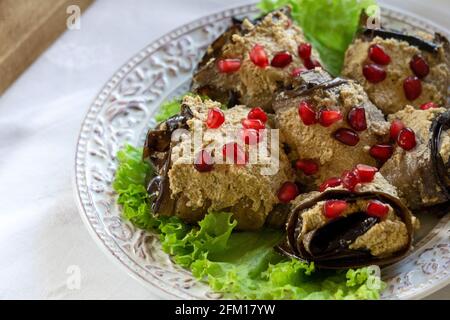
[238,264]
[329,25]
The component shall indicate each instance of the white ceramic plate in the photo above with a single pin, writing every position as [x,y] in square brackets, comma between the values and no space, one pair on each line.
[122,113]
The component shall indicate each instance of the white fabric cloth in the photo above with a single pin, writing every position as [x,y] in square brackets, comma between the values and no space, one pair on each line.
[42,237]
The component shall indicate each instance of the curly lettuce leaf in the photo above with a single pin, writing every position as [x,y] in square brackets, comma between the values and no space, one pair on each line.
[329,25]
[238,264]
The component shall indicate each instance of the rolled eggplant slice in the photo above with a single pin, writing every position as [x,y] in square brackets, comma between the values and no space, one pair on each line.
[404,69]
[422,174]
[264,54]
[188,189]
[356,237]
[334,146]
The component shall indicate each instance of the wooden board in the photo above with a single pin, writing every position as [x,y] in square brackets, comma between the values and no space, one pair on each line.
[27,28]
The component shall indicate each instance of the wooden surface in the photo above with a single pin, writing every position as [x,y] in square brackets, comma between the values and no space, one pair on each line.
[27,28]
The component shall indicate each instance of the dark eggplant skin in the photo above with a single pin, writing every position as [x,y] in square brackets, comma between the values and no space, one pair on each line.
[422,44]
[424,183]
[157,151]
[338,256]
[440,169]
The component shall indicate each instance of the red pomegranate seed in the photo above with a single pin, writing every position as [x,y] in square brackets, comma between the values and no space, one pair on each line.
[381,152]
[228,65]
[396,127]
[311,64]
[378,55]
[259,56]
[366,173]
[346,136]
[330,183]
[304,50]
[215,118]
[281,59]
[412,87]
[334,208]
[428,105]
[419,66]
[357,118]
[377,209]
[307,113]
[253,124]
[234,153]
[374,73]
[406,139]
[350,179]
[297,71]
[328,117]
[257,113]
[287,192]
[251,136]
[203,162]
[309,167]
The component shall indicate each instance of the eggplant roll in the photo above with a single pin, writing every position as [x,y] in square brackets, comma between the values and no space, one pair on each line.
[344,124]
[252,60]
[398,69]
[342,229]
[187,187]
[422,174]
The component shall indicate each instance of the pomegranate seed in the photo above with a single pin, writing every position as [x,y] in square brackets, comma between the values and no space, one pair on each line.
[334,208]
[307,113]
[215,118]
[346,136]
[330,183]
[228,65]
[396,127]
[357,118]
[311,64]
[297,71]
[233,152]
[257,113]
[374,73]
[419,66]
[412,87]
[288,191]
[381,152]
[251,136]
[328,117]
[253,124]
[377,209]
[203,162]
[428,105]
[304,50]
[309,167]
[366,173]
[259,56]
[281,59]
[378,55]
[350,179]
[406,139]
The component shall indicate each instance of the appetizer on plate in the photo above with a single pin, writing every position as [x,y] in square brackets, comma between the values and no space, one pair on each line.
[398,69]
[339,228]
[329,125]
[420,164]
[252,60]
[222,169]
[264,146]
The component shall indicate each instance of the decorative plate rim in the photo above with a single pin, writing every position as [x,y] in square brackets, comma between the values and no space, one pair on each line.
[80,188]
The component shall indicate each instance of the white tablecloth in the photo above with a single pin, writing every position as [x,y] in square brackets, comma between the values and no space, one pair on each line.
[42,237]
